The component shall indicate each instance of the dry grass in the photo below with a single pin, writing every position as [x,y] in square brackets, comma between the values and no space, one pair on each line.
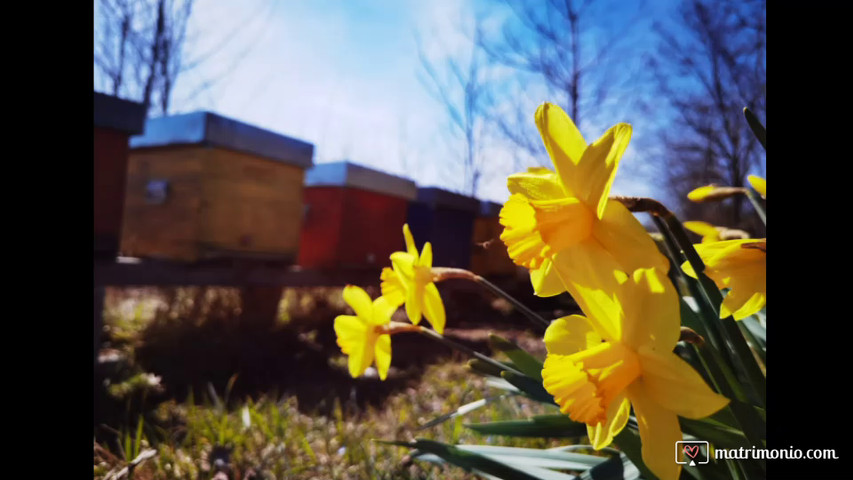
[218,397]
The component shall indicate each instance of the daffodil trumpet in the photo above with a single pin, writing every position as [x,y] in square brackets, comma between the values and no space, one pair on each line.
[621,356]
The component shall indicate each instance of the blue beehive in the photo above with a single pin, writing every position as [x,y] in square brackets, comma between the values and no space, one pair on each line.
[446,220]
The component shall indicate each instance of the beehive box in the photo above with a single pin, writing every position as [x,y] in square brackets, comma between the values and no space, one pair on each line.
[201,186]
[115,121]
[489,256]
[354,216]
[446,220]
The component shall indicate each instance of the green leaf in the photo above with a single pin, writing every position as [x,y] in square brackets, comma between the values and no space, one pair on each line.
[485,368]
[468,460]
[618,467]
[628,440]
[716,433]
[524,361]
[463,410]
[502,384]
[529,387]
[755,125]
[550,426]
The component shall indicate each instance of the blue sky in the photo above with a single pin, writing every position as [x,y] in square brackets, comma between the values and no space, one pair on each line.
[344,76]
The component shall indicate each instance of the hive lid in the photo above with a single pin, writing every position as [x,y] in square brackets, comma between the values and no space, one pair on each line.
[117,114]
[348,174]
[209,129]
[435,196]
[490,209]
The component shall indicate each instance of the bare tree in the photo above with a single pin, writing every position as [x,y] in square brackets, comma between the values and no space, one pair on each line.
[460,85]
[140,49]
[567,45]
[711,65]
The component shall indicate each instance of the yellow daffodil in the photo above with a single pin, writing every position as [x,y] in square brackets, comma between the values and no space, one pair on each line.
[708,232]
[560,224]
[364,337]
[740,265]
[599,366]
[711,233]
[759,184]
[411,282]
[701,193]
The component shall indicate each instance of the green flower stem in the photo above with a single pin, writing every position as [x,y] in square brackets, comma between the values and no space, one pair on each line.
[442,273]
[754,341]
[756,203]
[747,359]
[462,348]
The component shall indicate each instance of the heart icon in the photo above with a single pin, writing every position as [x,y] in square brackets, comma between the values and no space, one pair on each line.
[691,450]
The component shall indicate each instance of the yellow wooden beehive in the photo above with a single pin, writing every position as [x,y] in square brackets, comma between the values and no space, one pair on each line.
[201,186]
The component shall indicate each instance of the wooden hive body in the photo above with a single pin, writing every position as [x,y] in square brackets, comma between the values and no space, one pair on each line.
[202,187]
[354,216]
[115,120]
[446,220]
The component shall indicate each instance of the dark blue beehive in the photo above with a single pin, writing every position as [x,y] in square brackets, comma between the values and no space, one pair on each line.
[446,220]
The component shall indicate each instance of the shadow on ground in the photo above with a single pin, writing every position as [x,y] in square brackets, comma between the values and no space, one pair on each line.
[203,342]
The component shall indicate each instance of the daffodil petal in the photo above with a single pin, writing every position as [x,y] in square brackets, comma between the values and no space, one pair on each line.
[354,339]
[382,311]
[565,145]
[571,334]
[392,289]
[434,308]
[414,304]
[652,310]
[708,232]
[674,385]
[659,430]
[741,303]
[601,434]
[411,248]
[426,256]
[743,270]
[624,237]
[350,331]
[699,194]
[404,266]
[597,168]
[382,352]
[759,184]
[359,300]
[688,270]
[589,274]
[545,280]
[536,184]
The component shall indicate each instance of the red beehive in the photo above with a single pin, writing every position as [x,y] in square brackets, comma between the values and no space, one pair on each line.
[115,121]
[354,216]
